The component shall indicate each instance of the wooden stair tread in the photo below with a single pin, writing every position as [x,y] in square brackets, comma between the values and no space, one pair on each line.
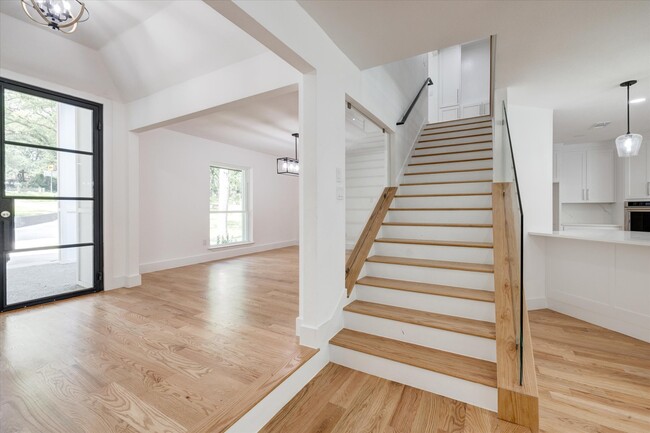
[466,225]
[460,325]
[435,242]
[429,289]
[489,158]
[444,209]
[450,364]
[483,149]
[458,194]
[473,128]
[450,145]
[448,171]
[447,182]
[426,263]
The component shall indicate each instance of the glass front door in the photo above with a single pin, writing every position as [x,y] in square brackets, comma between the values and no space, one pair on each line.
[50,198]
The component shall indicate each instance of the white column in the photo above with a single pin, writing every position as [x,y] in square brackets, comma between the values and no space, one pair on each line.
[322,216]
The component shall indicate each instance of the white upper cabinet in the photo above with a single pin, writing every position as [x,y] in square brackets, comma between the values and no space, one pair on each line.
[572,177]
[450,76]
[587,176]
[637,174]
[600,176]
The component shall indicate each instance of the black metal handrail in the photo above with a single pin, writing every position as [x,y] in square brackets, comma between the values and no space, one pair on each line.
[427,82]
[521,252]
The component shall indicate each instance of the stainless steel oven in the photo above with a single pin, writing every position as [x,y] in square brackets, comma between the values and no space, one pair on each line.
[637,216]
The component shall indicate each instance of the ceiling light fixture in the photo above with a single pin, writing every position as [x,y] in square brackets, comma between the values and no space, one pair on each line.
[57,14]
[628,144]
[288,165]
[637,101]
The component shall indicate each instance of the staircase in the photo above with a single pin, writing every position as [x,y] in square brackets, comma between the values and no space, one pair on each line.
[423,310]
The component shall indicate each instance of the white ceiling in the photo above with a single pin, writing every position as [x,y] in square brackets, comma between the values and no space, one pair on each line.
[566,55]
[108,18]
[263,125]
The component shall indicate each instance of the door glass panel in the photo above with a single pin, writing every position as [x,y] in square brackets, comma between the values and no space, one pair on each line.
[49,223]
[45,273]
[47,173]
[43,122]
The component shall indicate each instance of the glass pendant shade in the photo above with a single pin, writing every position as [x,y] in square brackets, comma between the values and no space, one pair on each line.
[287,165]
[628,145]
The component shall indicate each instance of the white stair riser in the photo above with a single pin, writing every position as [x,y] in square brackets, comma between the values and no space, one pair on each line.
[446,277]
[470,234]
[458,389]
[448,177]
[463,216]
[424,149]
[435,252]
[453,134]
[468,308]
[452,157]
[461,127]
[450,166]
[448,201]
[446,188]
[468,345]
[426,141]
[458,122]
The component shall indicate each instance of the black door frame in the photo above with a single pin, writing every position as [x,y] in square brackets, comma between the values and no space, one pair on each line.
[98,239]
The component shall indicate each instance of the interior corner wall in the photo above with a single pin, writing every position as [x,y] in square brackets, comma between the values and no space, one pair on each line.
[174,200]
[531,130]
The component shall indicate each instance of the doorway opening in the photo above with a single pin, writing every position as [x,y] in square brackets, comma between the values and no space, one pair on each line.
[50,196]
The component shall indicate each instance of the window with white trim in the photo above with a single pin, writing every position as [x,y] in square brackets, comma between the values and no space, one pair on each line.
[229,209]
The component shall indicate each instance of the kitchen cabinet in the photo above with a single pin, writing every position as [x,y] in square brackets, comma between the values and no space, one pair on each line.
[450,77]
[637,174]
[587,176]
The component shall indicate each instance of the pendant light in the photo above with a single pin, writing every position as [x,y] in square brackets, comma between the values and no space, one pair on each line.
[288,165]
[57,14]
[629,144]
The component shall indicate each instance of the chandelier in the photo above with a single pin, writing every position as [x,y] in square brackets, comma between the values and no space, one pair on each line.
[57,14]
[289,165]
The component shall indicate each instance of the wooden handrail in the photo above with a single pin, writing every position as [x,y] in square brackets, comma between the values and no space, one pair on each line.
[518,403]
[364,244]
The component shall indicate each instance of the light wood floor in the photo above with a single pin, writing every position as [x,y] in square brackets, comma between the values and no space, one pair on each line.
[591,380]
[194,348]
[190,350]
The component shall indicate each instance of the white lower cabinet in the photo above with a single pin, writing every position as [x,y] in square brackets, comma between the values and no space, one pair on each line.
[587,176]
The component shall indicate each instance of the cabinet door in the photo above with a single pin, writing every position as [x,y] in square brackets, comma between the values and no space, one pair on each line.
[447,114]
[637,174]
[572,177]
[450,76]
[600,176]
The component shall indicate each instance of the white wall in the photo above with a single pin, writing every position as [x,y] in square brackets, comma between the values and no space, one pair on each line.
[531,130]
[365,178]
[174,200]
[396,84]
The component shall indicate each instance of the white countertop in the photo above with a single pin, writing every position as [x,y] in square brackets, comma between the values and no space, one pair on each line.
[610,236]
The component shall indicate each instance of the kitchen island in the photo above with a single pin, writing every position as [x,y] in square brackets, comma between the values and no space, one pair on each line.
[600,276]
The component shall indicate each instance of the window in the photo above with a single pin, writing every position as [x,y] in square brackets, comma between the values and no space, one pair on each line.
[229,211]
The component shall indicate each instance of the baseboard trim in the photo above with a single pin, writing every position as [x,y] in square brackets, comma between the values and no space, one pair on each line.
[265,410]
[145,268]
[536,303]
[319,336]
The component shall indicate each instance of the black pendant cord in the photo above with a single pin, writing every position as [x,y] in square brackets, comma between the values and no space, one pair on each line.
[628,110]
